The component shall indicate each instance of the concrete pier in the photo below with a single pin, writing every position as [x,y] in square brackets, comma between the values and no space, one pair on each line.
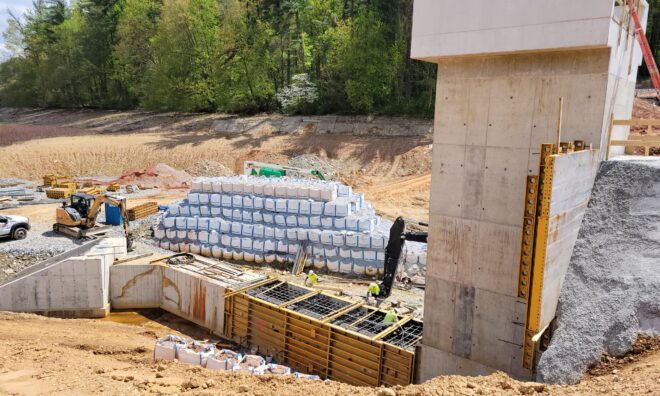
[502,67]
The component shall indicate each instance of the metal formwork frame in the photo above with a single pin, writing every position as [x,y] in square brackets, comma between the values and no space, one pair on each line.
[315,345]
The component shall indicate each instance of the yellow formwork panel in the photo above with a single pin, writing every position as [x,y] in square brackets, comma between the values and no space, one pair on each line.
[315,346]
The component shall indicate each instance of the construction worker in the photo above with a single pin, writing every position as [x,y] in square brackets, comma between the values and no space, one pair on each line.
[374,290]
[311,279]
[390,318]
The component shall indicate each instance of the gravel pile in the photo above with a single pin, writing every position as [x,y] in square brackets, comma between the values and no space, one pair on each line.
[309,161]
[612,288]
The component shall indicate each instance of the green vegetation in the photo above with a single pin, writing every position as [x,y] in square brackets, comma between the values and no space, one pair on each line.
[298,56]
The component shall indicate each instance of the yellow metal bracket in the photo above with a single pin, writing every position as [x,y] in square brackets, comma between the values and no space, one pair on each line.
[532,290]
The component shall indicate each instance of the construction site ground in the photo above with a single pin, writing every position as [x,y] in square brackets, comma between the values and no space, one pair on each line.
[51,356]
[55,356]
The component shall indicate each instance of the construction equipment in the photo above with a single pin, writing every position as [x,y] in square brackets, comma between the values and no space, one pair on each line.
[398,236]
[254,168]
[77,217]
[646,48]
[114,187]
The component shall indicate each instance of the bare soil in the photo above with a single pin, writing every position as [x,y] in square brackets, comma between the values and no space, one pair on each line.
[66,356]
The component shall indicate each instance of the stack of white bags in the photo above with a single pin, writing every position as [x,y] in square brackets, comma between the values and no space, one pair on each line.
[267,220]
[198,353]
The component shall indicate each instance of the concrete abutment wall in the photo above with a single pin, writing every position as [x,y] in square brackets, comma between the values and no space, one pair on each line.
[497,102]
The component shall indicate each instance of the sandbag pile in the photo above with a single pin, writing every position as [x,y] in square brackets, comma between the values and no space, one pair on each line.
[267,220]
[203,354]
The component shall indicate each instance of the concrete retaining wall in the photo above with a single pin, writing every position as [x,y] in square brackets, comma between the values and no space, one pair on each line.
[66,286]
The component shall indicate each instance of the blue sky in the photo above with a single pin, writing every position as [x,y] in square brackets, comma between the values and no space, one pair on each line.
[16,6]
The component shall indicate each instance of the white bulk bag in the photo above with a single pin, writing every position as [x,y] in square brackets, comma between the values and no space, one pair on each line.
[344,252]
[293,206]
[191,223]
[333,264]
[248,256]
[326,237]
[364,240]
[259,258]
[223,360]
[181,223]
[194,211]
[192,235]
[203,199]
[196,185]
[193,198]
[357,254]
[258,188]
[258,245]
[369,255]
[236,228]
[352,224]
[207,186]
[317,208]
[181,234]
[351,239]
[195,248]
[173,210]
[167,348]
[174,246]
[237,255]
[305,208]
[159,233]
[184,247]
[258,203]
[205,211]
[257,217]
[184,211]
[314,236]
[315,222]
[206,251]
[281,205]
[270,258]
[248,202]
[280,220]
[338,239]
[269,190]
[169,222]
[345,266]
[247,230]
[203,223]
[237,201]
[303,221]
[269,232]
[340,223]
[246,243]
[258,231]
[280,191]
[170,233]
[327,223]
[301,234]
[216,200]
[314,193]
[164,244]
[225,240]
[196,354]
[292,221]
[359,268]
[280,233]
[203,237]
[227,254]
[292,234]
[319,263]
[216,251]
[216,186]
[236,242]
[268,218]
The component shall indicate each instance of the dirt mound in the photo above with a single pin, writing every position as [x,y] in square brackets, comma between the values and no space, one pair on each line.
[210,168]
[156,176]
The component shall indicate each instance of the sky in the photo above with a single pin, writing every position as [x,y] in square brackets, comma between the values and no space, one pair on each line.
[16,6]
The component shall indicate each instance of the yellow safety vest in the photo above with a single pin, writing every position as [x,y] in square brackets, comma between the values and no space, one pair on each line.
[374,289]
[313,278]
[391,318]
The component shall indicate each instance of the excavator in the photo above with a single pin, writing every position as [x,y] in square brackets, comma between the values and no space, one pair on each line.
[398,236]
[77,217]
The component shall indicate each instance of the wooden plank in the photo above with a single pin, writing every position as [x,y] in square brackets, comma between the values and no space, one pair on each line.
[638,122]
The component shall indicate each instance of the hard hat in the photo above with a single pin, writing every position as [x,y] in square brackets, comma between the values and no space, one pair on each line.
[310,272]
[372,284]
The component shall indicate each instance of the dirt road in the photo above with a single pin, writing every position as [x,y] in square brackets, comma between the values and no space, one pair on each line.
[60,357]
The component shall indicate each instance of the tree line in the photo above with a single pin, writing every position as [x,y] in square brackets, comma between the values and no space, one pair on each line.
[238,56]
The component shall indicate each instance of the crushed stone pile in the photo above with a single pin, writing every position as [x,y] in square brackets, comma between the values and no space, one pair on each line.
[156,176]
[612,288]
[310,161]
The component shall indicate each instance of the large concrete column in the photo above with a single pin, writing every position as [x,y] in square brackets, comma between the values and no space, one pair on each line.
[502,67]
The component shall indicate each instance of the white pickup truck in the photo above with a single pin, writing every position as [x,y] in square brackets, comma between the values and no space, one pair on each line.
[14,227]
